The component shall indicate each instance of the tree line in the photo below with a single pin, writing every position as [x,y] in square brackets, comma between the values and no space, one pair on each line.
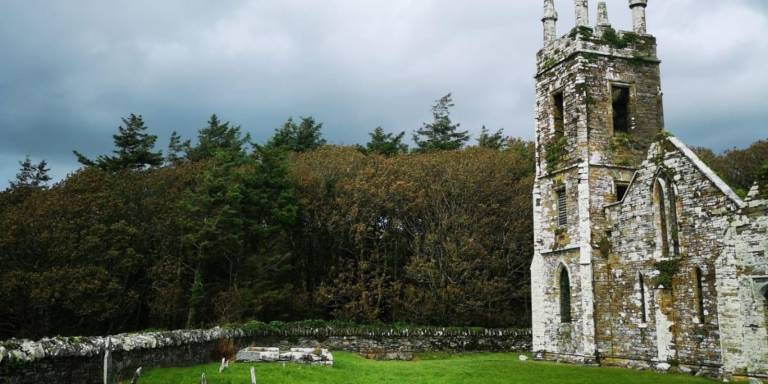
[220,229]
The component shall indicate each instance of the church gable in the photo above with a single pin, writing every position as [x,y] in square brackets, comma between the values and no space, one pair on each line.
[694,201]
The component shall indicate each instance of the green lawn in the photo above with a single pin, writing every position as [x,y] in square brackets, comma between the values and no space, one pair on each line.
[481,368]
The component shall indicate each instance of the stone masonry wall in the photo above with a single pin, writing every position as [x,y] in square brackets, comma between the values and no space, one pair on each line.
[672,333]
[742,283]
[80,360]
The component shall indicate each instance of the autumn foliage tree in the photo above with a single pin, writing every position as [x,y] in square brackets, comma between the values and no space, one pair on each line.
[225,232]
[740,168]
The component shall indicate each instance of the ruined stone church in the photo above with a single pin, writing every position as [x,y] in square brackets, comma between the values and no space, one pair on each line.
[643,256]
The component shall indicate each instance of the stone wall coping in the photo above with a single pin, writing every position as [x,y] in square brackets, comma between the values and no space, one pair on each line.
[23,350]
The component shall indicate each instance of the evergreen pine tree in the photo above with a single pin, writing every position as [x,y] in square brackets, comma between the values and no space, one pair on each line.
[177,149]
[31,175]
[491,140]
[304,136]
[218,136]
[387,144]
[441,134]
[133,148]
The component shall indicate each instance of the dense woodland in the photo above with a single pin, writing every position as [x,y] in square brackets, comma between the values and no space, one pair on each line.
[219,230]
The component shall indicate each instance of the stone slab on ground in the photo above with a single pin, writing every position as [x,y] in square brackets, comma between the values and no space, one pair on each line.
[313,356]
[256,354]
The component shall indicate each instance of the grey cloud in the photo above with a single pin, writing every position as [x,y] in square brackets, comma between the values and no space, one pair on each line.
[72,69]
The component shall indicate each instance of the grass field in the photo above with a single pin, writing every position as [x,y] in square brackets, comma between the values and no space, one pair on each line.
[481,368]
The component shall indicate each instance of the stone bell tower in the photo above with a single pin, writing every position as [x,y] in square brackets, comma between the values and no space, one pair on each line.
[598,109]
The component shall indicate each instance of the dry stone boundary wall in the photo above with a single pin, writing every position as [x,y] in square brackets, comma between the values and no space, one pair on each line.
[81,359]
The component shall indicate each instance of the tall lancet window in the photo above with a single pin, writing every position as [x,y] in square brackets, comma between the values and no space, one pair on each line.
[661,217]
[643,308]
[565,296]
[665,208]
[698,277]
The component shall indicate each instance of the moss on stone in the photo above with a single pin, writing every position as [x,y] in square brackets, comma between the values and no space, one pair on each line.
[610,37]
[623,148]
[561,238]
[605,247]
[583,32]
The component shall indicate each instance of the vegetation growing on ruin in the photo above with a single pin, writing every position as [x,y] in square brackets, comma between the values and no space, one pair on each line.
[561,237]
[668,269]
[624,148]
[618,41]
[604,246]
[583,32]
[556,150]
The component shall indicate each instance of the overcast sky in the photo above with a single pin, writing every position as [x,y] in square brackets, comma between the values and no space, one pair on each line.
[71,69]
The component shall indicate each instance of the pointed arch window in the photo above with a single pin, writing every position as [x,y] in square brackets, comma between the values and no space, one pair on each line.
[661,214]
[565,296]
[664,199]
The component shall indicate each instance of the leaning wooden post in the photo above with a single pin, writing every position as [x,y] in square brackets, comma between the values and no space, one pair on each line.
[108,362]
[136,375]
[253,375]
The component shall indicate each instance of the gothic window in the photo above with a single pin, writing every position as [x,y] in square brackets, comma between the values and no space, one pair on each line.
[699,281]
[661,221]
[643,309]
[665,207]
[562,208]
[672,219]
[620,101]
[558,114]
[565,296]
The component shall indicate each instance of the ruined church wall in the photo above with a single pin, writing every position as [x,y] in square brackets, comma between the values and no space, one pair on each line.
[673,332]
[741,271]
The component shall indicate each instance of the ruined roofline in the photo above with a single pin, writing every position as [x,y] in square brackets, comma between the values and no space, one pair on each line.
[700,165]
[707,171]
